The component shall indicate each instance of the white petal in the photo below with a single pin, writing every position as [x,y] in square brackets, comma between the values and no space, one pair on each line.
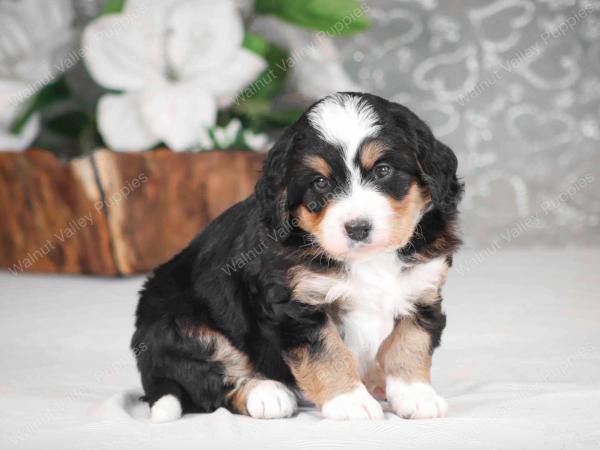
[220,137]
[12,94]
[204,35]
[232,129]
[226,82]
[122,52]
[34,36]
[21,141]
[256,141]
[155,10]
[177,113]
[121,124]
[204,140]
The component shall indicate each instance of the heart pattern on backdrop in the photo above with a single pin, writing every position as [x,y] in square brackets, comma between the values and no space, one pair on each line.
[513,86]
[449,75]
[443,118]
[407,26]
[500,23]
[543,130]
[510,194]
[555,67]
[593,55]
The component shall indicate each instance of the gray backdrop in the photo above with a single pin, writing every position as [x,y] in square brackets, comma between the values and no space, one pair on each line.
[513,86]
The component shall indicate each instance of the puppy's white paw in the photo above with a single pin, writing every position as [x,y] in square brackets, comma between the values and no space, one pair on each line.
[165,409]
[414,400]
[356,404]
[270,399]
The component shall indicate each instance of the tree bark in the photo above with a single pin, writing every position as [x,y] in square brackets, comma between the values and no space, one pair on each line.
[113,213]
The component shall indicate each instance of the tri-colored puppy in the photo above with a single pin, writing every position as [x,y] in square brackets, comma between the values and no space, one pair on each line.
[325,283]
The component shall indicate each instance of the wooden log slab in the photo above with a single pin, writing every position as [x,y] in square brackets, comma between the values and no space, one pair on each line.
[113,213]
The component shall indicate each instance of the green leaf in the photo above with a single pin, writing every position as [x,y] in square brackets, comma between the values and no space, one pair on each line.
[70,124]
[211,135]
[271,82]
[48,95]
[113,6]
[334,17]
[257,44]
[259,115]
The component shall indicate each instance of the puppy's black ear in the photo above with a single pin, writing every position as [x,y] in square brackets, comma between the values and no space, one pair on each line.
[270,191]
[438,165]
[437,161]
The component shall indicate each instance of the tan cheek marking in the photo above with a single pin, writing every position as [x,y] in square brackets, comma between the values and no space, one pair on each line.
[235,363]
[406,352]
[370,154]
[318,164]
[311,222]
[406,213]
[330,372]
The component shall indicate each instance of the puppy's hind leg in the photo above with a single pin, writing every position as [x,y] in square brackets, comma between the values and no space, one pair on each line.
[247,392]
[183,374]
[165,398]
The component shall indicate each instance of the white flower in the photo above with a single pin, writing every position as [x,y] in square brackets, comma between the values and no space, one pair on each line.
[34,36]
[256,141]
[176,62]
[227,135]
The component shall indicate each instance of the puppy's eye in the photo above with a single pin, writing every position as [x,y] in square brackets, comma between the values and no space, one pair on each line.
[382,170]
[321,184]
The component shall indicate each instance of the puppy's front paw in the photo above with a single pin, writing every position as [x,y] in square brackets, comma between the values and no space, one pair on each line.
[271,399]
[415,400]
[356,404]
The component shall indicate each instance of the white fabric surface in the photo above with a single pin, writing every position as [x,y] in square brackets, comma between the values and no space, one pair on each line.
[519,366]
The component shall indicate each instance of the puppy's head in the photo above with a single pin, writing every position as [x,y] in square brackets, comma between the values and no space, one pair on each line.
[356,173]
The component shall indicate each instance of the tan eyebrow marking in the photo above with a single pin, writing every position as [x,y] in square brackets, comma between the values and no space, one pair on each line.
[318,164]
[370,153]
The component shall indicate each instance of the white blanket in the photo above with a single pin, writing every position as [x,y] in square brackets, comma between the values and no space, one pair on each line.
[519,366]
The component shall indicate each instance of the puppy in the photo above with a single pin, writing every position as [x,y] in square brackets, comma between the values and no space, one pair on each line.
[325,283]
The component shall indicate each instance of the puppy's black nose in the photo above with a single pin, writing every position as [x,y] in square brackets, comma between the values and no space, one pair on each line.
[358,229]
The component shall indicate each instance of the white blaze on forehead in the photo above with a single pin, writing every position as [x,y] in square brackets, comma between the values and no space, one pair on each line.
[345,120]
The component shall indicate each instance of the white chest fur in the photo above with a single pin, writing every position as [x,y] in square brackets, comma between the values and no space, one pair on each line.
[374,293]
